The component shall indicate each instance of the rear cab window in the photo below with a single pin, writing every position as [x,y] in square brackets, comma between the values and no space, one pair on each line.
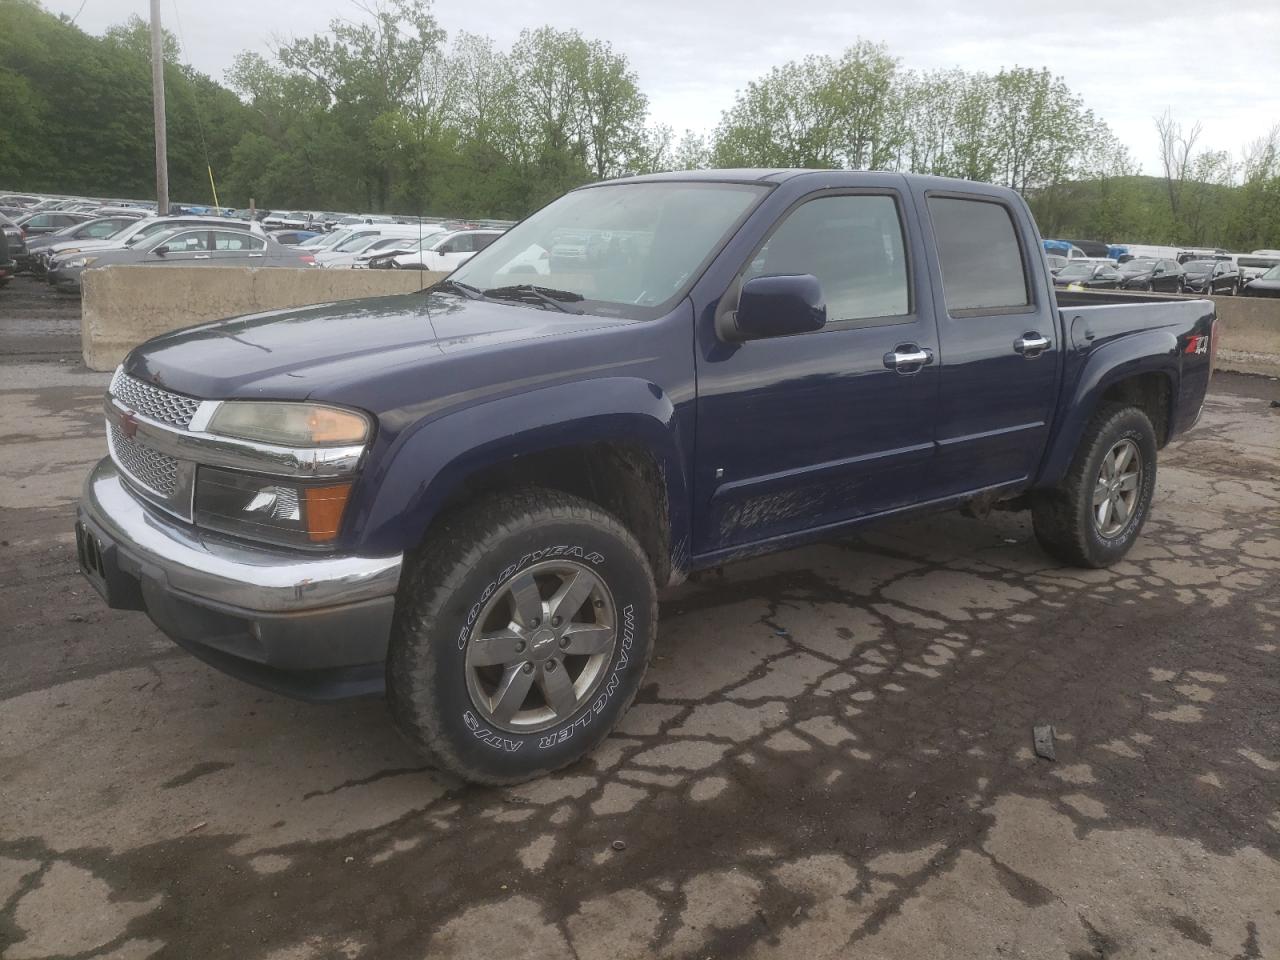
[980,256]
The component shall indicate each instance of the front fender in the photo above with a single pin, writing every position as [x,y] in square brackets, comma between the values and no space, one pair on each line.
[430,463]
[1152,351]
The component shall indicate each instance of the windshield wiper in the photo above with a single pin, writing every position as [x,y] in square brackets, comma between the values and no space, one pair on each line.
[457,286]
[521,292]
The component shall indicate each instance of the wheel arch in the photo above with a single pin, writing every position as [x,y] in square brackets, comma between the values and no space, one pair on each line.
[615,442]
[1139,371]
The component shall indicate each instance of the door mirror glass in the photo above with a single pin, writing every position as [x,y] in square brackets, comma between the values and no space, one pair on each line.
[779,306]
[161,250]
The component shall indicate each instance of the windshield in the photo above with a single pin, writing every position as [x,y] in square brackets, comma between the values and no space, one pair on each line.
[625,248]
[1137,266]
[1199,266]
[1272,274]
[1078,271]
[356,244]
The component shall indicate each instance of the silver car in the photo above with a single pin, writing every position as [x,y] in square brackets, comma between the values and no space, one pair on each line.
[186,247]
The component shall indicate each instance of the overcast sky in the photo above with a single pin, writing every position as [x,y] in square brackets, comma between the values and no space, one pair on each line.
[1130,59]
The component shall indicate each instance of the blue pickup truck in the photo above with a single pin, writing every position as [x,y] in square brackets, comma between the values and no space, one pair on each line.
[469,497]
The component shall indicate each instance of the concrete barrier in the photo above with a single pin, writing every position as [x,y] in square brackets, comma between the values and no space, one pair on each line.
[1250,334]
[123,306]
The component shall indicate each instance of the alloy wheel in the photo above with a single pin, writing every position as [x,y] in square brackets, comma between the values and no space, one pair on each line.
[540,647]
[1115,492]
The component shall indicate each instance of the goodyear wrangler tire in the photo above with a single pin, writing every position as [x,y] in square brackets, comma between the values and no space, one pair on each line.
[523,629]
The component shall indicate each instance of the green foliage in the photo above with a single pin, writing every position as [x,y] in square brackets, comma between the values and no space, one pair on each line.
[75,110]
[379,112]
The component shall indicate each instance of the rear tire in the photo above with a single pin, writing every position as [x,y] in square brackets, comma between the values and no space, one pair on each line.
[1094,515]
[483,675]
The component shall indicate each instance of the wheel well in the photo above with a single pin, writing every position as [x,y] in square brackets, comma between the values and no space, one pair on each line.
[622,478]
[1150,393]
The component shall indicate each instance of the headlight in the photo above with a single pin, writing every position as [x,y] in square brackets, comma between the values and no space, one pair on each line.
[78,262]
[290,424]
[272,509]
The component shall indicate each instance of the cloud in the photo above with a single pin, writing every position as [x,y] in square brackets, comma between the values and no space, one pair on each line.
[1128,61]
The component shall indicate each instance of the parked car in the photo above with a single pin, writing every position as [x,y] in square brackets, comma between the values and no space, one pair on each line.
[474,513]
[60,256]
[1210,277]
[39,224]
[1267,285]
[358,239]
[1055,262]
[187,247]
[287,219]
[1088,275]
[1251,266]
[292,237]
[447,251]
[15,244]
[99,228]
[360,254]
[1147,274]
[7,265]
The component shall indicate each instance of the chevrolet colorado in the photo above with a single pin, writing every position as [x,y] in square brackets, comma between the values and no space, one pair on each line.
[468,497]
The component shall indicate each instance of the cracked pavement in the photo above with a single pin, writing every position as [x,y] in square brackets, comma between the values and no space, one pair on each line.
[831,755]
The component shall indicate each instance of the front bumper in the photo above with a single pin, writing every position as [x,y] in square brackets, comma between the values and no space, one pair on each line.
[314,627]
[66,278]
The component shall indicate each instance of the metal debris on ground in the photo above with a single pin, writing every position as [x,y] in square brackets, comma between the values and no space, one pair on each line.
[1042,736]
[619,845]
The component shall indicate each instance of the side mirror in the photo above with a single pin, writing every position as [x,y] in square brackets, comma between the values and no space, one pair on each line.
[1159,272]
[161,250]
[778,307]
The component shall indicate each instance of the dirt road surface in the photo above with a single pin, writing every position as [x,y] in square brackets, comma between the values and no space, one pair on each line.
[831,755]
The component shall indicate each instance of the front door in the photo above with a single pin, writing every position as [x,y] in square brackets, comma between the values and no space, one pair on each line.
[803,432]
[999,338]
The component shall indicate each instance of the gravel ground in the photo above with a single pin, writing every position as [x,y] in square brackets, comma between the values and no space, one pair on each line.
[831,755]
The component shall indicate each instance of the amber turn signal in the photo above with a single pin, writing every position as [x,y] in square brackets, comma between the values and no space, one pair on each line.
[325,506]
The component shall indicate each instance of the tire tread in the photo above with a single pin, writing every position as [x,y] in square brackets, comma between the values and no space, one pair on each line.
[432,577]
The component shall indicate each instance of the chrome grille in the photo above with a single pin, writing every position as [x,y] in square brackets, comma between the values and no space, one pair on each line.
[156,471]
[153,402]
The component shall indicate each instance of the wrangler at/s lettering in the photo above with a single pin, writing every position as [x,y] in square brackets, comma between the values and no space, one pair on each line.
[467,498]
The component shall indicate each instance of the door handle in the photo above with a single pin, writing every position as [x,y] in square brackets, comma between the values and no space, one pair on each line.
[1031,345]
[201,256]
[908,358]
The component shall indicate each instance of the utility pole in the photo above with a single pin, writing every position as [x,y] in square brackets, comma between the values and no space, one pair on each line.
[157,99]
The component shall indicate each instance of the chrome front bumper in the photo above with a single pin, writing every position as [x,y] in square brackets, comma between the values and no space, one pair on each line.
[289,621]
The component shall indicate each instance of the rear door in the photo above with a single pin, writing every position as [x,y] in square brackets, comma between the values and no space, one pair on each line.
[999,339]
[811,431]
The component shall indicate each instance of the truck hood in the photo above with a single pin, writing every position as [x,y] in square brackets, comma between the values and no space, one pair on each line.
[317,351]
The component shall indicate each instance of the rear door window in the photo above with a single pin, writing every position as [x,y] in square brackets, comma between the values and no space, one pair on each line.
[228,240]
[980,256]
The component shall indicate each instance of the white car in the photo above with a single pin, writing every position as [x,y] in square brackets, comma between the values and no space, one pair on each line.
[447,251]
[362,239]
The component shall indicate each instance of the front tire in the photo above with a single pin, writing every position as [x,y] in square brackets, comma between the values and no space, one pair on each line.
[523,629]
[1097,511]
